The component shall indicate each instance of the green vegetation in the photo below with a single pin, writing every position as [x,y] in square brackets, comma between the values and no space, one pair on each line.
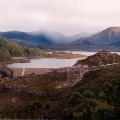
[75,98]
[9,49]
[103,112]
[90,108]
[4,55]
[97,96]
[35,110]
[15,49]
[64,55]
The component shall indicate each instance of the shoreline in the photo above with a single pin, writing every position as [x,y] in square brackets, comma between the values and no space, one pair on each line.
[55,56]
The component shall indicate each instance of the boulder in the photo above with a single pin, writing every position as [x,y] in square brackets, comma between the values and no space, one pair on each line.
[5,72]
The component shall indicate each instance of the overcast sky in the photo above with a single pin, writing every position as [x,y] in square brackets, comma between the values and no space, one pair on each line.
[66,16]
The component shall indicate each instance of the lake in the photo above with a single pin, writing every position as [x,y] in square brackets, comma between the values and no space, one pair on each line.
[52,62]
[87,53]
[45,63]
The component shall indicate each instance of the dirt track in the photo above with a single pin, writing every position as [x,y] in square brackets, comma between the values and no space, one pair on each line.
[18,71]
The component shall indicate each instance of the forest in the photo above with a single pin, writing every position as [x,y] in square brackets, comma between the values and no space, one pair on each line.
[10,49]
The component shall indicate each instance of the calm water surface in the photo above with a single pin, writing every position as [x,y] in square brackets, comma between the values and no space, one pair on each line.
[87,53]
[52,62]
[45,63]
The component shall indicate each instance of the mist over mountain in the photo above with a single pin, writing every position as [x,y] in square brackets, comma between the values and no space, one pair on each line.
[27,38]
[60,38]
[107,39]
[41,39]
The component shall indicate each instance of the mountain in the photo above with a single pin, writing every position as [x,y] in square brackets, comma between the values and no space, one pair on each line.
[39,40]
[81,35]
[56,38]
[64,39]
[107,39]
[60,38]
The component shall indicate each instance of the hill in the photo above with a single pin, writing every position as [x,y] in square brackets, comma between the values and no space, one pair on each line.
[39,40]
[10,49]
[95,96]
[101,58]
[107,39]
[94,80]
[36,96]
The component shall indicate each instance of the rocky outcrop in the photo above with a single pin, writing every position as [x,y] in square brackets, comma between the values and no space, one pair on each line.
[45,83]
[66,77]
[5,72]
[58,78]
[101,58]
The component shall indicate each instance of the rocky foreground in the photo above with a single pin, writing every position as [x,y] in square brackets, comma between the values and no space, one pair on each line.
[54,87]
[101,58]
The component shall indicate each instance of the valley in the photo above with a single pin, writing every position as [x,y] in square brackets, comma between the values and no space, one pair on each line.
[60,60]
[36,80]
[106,39]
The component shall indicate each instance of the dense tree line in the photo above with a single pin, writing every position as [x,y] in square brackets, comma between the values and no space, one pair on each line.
[9,48]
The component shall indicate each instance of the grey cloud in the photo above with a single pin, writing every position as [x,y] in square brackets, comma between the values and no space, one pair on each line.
[67,16]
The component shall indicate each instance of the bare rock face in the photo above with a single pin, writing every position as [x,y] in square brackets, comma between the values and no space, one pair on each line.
[101,58]
[5,72]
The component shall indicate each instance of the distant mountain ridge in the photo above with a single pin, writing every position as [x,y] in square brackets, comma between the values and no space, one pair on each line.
[41,39]
[107,39]
[26,38]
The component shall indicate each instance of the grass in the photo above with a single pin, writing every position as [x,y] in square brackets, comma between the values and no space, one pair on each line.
[63,55]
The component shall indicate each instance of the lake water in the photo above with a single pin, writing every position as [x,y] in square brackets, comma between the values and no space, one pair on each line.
[45,63]
[52,62]
[87,53]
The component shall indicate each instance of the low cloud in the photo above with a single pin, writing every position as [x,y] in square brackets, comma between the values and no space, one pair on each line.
[65,16]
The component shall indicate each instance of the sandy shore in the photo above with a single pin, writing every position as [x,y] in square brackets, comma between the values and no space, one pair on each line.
[18,71]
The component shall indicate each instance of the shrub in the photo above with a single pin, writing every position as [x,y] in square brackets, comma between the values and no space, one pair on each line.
[103,112]
[76,98]
[88,94]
